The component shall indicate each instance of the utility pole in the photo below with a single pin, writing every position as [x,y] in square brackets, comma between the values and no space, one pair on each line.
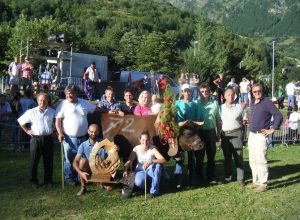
[273,63]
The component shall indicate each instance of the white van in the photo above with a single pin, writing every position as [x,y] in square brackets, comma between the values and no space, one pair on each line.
[131,76]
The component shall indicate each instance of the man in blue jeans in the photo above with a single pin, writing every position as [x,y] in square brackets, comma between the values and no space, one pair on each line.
[72,125]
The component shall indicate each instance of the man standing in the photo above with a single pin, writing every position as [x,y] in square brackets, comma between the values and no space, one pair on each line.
[41,144]
[93,79]
[290,91]
[14,72]
[71,125]
[81,160]
[261,112]
[231,136]
[209,111]
[27,69]
[220,83]
[244,90]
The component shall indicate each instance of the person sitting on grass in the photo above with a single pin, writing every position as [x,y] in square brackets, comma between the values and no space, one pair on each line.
[81,161]
[149,164]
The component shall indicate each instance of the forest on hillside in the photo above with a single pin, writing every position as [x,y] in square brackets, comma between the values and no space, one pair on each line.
[136,35]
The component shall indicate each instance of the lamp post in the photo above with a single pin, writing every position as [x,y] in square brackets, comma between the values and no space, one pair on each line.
[273,62]
[195,43]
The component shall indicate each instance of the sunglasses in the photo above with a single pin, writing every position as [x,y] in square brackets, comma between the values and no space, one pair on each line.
[258,91]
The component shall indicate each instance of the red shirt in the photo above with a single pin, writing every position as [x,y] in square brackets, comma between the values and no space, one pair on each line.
[162,84]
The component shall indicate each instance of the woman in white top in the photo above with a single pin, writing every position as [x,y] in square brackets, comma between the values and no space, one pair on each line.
[149,160]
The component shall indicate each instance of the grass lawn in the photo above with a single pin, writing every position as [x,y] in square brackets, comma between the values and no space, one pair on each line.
[223,201]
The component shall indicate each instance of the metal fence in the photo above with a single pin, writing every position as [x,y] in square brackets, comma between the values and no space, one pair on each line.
[12,136]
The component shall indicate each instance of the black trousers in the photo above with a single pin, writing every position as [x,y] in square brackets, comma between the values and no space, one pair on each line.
[209,138]
[41,146]
[232,147]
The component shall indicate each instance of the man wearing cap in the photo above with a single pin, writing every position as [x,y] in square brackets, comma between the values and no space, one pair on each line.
[72,125]
[209,111]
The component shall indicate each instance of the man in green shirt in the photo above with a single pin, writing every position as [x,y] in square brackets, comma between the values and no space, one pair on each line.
[209,111]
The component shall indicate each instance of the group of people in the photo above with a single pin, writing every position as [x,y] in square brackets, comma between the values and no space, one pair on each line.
[21,76]
[221,122]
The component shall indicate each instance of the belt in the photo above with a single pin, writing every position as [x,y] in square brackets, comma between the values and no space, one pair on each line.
[41,136]
[231,131]
[75,136]
[256,132]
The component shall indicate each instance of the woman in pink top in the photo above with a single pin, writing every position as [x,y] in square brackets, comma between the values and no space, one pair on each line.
[27,69]
[143,108]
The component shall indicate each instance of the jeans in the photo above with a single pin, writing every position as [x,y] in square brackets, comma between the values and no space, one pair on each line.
[71,145]
[232,146]
[244,98]
[291,101]
[154,173]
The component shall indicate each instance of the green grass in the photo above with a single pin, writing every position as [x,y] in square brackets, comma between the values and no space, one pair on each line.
[19,201]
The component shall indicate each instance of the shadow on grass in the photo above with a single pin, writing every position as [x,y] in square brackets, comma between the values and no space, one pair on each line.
[278,174]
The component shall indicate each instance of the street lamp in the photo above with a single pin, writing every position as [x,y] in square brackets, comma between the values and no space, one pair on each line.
[195,44]
[273,62]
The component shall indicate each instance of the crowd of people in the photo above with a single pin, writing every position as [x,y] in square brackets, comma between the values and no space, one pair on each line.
[224,118]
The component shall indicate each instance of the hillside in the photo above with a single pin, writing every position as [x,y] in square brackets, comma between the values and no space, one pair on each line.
[277,19]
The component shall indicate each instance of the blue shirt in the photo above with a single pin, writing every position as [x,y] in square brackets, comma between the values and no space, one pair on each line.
[27,103]
[85,149]
[186,111]
[261,114]
[107,106]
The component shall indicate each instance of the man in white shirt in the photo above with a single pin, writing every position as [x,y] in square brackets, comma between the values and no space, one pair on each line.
[290,91]
[72,125]
[244,90]
[93,79]
[41,119]
[14,72]
[231,136]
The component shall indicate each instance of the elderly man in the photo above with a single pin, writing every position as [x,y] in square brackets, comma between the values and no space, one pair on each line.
[209,111]
[71,124]
[41,119]
[81,160]
[231,136]
[261,112]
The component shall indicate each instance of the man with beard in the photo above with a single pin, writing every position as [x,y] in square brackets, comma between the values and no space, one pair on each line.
[81,160]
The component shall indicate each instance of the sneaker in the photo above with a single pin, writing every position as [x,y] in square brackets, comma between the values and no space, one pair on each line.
[242,184]
[34,185]
[178,180]
[107,187]
[82,191]
[252,186]
[260,189]
[228,179]
[153,195]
